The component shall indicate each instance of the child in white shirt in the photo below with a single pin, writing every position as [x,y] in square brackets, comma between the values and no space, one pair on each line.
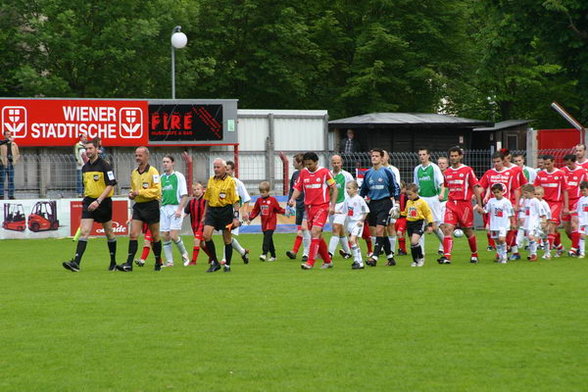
[501,217]
[356,210]
[546,210]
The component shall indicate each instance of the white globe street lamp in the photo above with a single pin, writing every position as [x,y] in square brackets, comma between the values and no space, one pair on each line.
[178,41]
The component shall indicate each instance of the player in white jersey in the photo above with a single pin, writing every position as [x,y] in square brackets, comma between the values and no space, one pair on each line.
[501,218]
[356,210]
[583,216]
[535,219]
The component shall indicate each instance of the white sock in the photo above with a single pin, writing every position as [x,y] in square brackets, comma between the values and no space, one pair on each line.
[237,246]
[581,245]
[333,244]
[356,254]
[533,247]
[181,247]
[440,235]
[514,249]
[501,250]
[392,243]
[168,251]
[344,244]
[520,238]
[305,242]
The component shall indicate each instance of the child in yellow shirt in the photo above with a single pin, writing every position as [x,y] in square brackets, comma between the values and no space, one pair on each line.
[419,219]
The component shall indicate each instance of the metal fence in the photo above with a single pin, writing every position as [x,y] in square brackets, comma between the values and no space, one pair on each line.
[53,175]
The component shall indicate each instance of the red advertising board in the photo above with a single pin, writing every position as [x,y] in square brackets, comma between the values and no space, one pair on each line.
[58,122]
[120,215]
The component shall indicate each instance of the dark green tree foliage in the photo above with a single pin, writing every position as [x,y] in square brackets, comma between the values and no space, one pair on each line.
[488,59]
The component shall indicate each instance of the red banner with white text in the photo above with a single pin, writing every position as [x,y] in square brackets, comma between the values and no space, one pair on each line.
[59,122]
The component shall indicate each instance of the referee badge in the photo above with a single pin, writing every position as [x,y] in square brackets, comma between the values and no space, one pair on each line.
[145,185]
[222,195]
[96,177]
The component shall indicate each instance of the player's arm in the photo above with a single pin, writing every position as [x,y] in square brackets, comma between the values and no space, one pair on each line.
[255,210]
[334,193]
[297,191]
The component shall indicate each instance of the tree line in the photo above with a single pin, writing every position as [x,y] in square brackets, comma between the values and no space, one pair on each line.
[484,59]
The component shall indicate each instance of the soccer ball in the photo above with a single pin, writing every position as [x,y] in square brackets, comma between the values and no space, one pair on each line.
[458,233]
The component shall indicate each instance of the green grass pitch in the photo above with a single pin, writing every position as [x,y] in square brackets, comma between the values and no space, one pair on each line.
[274,327]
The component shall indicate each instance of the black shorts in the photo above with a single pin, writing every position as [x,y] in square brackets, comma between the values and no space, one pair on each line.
[379,212]
[219,217]
[415,227]
[300,210]
[102,214]
[147,212]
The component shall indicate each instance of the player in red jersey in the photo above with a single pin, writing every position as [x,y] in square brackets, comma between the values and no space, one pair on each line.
[463,185]
[320,195]
[581,156]
[554,183]
[574,175]
[498,175]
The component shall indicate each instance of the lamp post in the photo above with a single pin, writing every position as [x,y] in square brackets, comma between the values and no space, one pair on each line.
[178,41]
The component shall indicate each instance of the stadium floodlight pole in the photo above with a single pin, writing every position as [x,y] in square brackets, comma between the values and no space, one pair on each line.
[569,118]
[178,41]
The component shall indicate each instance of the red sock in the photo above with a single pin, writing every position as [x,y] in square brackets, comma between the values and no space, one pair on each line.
[145,254]
[297,243]
[324,251]
[195,252]
[369,245]
[551,240]
[473,245]
[575,240]
[511,237]
[491,241]
[314,247]
[402,244]
[557,241]
[447,245]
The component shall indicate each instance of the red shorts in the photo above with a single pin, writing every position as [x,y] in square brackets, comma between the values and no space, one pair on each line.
[400,224]
[556,208]
[573,211]
[317,215]
[459,213]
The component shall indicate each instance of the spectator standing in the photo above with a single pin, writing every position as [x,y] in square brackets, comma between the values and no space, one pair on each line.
[349,148]
[81,159]
[9,156]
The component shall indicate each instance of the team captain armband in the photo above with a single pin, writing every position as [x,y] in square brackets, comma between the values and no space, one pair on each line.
[330,181]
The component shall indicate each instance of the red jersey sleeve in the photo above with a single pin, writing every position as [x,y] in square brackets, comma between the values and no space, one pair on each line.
[277,208]
[256,208]
[473,180]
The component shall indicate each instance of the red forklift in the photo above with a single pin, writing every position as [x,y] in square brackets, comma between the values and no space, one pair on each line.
[43,216]
[14,217]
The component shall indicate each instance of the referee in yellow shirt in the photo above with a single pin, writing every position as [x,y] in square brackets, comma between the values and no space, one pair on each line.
[419,218]
[146,192]
[99,182]
[221,212]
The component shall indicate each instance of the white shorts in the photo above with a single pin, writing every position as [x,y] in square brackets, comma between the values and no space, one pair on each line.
[338,219]
[354,229]
[443,207]
[168,220]
[498,233]
[436,208]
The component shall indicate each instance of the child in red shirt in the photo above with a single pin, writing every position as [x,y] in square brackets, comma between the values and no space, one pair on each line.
[267,206]
[195,208]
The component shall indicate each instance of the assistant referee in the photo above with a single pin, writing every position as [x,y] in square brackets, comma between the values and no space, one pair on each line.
[221,212]
[146,192]
[99,182]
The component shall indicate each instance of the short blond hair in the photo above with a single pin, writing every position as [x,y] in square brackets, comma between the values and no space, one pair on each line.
[264,186]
